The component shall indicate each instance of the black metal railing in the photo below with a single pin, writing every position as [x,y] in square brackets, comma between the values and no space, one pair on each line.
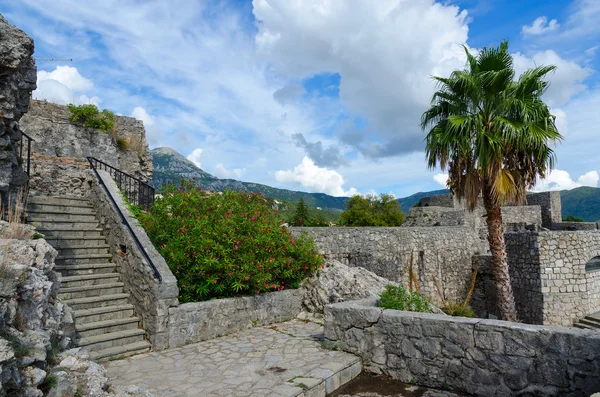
[20,149]
[137,191]
[143,194]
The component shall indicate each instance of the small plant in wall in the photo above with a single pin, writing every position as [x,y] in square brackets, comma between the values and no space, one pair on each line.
[400,298]
[89,116]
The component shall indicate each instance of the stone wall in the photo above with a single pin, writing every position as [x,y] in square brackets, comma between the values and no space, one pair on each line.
[443,252]
[548,277]
[61,146]
[574,226]
[17,81]
[550,205]
[434,216]
[151,298]
[479,357]
[198,321]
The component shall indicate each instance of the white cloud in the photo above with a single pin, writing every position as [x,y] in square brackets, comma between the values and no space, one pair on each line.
[194,157]
[384,51]
[222,172]
[315,179]
[153,135]
[565,82]
[540,26]
[64,85]
[441,179]
[561,180]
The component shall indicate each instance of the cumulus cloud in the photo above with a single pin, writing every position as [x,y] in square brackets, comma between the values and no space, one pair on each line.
[315,179]
[152,134]
[194,157]
[384,51]
[561,180]
[441,179]
[64,85]
[288,93]
[565,82]
[222,172]
[540,26]
[329,157]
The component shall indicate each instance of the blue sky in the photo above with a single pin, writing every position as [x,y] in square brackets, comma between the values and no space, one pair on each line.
[313,95]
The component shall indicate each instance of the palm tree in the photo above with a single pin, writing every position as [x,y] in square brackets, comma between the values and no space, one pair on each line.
[492,132]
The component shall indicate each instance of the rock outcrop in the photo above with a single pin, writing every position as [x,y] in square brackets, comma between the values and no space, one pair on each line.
[34,324]
[337,282]
[17,81]
[61,146]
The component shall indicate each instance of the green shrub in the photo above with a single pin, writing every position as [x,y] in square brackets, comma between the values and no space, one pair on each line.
[372,210]
[90,116]
[458,310]
[122,144]
[225,245]
[572,218]
[399,298]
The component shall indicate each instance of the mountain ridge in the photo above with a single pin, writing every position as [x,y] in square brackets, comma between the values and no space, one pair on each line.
[170,165]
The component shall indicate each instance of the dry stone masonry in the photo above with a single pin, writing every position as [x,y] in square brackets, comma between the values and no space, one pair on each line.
[61,146]
[479,357]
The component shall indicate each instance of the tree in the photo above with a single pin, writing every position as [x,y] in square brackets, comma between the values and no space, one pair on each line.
[492,133]
[301,215]
[382,210]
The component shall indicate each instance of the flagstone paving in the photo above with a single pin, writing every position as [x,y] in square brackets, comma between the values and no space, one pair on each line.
[285,359]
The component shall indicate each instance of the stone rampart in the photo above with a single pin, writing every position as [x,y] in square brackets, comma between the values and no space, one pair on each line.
[441,252]
[198,321]
[152,298]
[61,146]
[550,205]
[479,357]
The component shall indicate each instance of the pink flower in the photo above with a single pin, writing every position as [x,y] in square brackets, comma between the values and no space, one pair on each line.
[246,278]
[253,218]
[292,240]
[164,245]
[235,247]
[271,260]
[323,266]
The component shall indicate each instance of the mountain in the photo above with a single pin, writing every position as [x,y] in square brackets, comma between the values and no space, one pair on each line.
[583,202]
[169,165]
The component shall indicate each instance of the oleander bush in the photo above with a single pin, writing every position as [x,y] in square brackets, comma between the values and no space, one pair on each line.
[400,298]
[226,244]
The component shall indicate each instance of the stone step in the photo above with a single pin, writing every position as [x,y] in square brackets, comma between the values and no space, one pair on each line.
[593,317]
[66,209]
[584,326]
[590,322]
[34,216]
[82,259]
[60,242]
[97,301]
[89,279]
[61,231]
[119,352]
[84,250]
[112,339]
[86,268]
[64,225]
[107,326]
[64,201]
[88,291]
[104,313]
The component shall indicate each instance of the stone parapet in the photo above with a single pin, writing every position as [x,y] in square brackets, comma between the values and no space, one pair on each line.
[199,321]
[479,357]
[151,298]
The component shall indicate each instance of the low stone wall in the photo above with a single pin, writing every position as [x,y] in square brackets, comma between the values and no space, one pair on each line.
[151,298]
[479,357]
[572,226]
[441,252]
[198,321]
[434,216]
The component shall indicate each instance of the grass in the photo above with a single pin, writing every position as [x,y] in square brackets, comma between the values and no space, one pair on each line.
[399,298]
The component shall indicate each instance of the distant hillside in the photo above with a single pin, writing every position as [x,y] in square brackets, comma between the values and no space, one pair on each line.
[583,202]
[169,165]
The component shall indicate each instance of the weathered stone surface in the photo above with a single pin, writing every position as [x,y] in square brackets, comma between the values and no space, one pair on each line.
[61,147]
[152,298]
[17,81]
[337,282]
[197,321]
[479,357]
[389,252]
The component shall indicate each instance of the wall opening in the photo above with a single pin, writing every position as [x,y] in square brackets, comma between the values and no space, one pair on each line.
[593,264]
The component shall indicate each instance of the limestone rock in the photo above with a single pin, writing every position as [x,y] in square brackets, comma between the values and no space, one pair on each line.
[338,283]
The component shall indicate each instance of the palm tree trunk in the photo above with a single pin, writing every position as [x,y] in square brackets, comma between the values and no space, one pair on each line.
[504,293]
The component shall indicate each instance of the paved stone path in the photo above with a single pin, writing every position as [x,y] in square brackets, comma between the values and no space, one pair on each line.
[281,360]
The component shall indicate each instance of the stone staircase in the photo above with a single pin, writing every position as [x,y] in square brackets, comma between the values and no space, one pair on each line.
[590,322]
[90,283]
